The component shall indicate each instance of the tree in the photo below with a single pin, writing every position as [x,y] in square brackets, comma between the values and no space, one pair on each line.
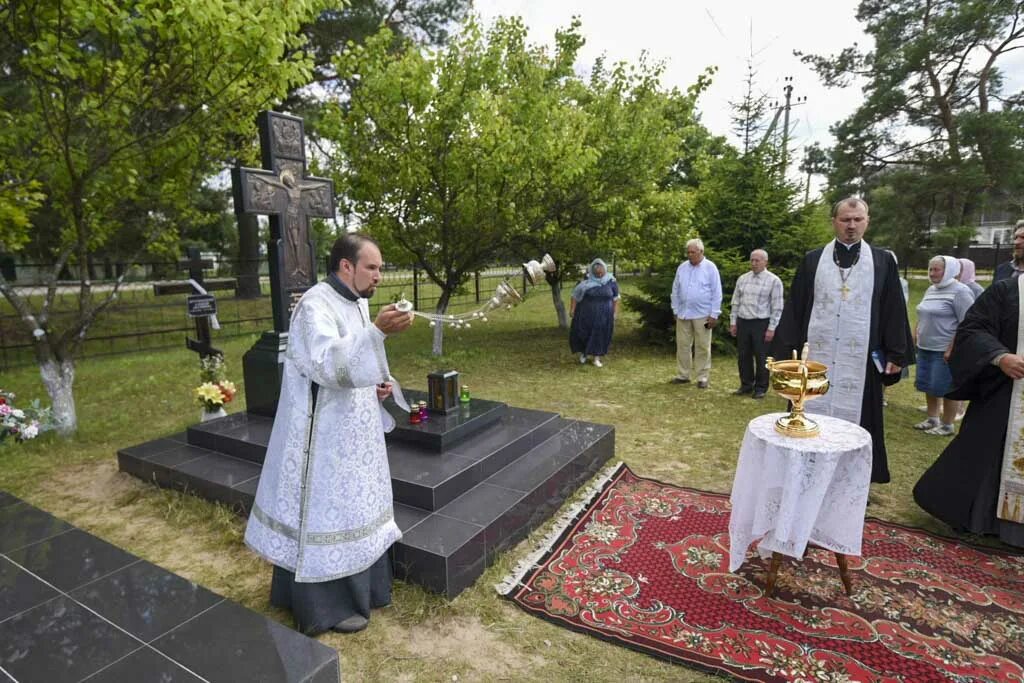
[934,99]
[109,103]
[616,199]
[742,202]
[439,151]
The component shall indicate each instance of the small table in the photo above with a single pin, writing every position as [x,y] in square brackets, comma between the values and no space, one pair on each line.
[789,492]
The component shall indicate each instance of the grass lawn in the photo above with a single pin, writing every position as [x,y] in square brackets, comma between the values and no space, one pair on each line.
[671,432]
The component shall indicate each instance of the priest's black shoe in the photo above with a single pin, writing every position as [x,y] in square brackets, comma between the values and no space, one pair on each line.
[758,394]
[352,624]
[741,392]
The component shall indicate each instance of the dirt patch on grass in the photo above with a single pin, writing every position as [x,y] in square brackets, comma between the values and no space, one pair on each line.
[467,642]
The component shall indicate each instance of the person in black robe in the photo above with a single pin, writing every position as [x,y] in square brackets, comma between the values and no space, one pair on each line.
[961,488]
[890,329]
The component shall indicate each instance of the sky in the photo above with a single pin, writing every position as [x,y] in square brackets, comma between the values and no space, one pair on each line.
[690,36]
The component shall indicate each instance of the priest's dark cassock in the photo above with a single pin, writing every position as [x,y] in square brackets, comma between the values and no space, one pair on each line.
[888,329]
[962,487]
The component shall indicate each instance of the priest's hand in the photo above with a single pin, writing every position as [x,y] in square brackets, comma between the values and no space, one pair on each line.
[383,390]
[390,320]
[732,329]
[1012,365]
[892,369]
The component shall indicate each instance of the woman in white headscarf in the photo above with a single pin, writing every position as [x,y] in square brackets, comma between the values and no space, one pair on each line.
[944,305]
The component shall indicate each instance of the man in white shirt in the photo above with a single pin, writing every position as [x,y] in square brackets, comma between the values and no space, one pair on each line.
[755,312]
[697,303]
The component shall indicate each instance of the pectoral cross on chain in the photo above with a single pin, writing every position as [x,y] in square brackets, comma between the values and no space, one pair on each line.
[845,291]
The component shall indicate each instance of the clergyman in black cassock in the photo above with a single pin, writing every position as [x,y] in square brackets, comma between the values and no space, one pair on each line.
[889,329]
[962,487]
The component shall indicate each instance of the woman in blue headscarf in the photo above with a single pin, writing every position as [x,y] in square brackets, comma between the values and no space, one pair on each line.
[593,307]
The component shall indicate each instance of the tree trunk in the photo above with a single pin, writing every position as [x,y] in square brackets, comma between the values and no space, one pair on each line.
[554,281]
[442,306]
[59,378]
[556,299]
[248,256]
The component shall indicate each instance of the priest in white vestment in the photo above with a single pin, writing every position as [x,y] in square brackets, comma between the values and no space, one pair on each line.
[323,514]
[847,304]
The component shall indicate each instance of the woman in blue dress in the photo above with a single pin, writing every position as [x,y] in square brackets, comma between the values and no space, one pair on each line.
[593,307]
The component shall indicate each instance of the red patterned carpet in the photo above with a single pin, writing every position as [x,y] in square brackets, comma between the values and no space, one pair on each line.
[646,566]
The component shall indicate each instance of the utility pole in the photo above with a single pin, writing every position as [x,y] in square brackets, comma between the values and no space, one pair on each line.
[788,90]
[783,111]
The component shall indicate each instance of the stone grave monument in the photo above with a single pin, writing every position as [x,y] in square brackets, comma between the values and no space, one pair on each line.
[468,483]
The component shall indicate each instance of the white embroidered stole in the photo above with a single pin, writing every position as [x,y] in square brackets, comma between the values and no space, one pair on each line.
[839,331]
[1011,483]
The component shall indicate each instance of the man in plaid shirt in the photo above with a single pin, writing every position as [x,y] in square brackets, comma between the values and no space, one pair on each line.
[756,309]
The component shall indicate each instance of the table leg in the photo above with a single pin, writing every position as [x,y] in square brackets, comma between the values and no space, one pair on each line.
[844,573]
[773,574]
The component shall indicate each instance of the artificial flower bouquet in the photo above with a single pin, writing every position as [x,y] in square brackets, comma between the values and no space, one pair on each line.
[212,396]
[215,390]
[22,425]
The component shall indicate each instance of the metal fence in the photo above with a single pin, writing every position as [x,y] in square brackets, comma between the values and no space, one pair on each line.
[140,320]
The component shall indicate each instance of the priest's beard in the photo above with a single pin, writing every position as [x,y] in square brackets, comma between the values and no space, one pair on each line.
[364,292]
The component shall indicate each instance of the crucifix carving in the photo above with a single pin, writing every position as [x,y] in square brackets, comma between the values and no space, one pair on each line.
[283,191]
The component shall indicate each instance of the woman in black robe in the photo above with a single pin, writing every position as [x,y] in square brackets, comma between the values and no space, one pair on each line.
[962,487]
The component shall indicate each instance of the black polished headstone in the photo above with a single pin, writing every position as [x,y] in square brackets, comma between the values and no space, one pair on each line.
[74,607]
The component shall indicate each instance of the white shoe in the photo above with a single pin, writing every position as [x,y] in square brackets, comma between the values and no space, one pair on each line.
[583,359]
[930,423]
[598,363]
[941,430]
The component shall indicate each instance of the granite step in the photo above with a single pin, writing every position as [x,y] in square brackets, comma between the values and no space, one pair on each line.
[80,608]
[428,480]
[447,550]
[457,510]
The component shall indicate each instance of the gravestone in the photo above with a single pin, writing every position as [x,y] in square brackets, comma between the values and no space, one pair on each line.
[282,191]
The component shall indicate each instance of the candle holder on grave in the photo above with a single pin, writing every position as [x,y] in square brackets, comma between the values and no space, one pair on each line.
[443,391]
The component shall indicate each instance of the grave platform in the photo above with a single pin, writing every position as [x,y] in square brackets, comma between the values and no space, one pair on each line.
[74,608]
[466,486]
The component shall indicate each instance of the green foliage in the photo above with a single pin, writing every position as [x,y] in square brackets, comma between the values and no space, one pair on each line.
[934,104]
[116,111]
[493,148]
[742,203]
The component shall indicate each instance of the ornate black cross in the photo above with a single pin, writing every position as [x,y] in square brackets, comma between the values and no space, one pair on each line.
[282,190]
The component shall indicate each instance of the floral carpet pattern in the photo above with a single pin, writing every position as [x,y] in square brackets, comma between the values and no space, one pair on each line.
[645,565]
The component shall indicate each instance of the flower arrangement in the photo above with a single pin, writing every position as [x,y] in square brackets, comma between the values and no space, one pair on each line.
[215,390]
[22,425]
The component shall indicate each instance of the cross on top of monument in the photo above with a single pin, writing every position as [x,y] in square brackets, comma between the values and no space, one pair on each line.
[283,191]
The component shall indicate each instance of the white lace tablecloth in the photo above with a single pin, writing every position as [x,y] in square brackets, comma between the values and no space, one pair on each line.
[791,491]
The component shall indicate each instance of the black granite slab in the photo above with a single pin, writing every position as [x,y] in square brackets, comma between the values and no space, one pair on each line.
[146,600]
[230,642]
[442,432]
[71,559]
[20,591]
[144,664]
[21,525]
[457,508]
[60,641]
[75,608]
